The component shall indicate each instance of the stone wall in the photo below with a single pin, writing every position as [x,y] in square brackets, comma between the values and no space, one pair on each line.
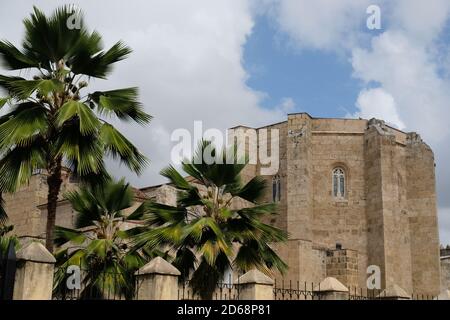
[445,273]
[24,207]
[387,218]
[343,265]
[383,208]
[421,208]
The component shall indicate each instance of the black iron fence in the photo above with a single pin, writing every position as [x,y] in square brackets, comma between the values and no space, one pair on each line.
[294,291]
[116,286]
[289,290]
[103,286]
[223,291]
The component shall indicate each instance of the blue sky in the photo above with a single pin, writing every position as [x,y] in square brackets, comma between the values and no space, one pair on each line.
[399,73]
[281,71]
[251,61]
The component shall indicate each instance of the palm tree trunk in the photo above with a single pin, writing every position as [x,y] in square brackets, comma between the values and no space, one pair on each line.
[54,182]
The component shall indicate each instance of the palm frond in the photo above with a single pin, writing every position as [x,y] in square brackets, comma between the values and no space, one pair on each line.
[3,215]
[13,59]
[252,191]
[18,164]
[64,235]
[88,122]
[118,147]
[27,125]
[175,178]
[122,102]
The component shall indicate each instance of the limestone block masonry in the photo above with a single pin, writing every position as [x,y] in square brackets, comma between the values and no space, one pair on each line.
[386,216]
[380,211]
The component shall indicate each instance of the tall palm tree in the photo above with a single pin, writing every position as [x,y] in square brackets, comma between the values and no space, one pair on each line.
[52,121]
[205,230]
[101,247]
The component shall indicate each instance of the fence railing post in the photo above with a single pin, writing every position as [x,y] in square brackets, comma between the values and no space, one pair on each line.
[394,292]
[157,280]
[331,289]
[255,285]
[34,274]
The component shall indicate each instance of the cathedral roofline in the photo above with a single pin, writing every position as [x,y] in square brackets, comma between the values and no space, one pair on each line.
[314,118]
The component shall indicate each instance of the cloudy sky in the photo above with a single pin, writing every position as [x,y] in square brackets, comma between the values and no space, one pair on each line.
[250,62]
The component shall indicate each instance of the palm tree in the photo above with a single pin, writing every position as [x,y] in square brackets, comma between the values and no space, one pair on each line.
[100,248]
[52,121]
[206,231]
[6,240]
[3,215]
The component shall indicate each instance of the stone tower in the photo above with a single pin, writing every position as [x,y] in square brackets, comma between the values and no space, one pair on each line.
[385,215]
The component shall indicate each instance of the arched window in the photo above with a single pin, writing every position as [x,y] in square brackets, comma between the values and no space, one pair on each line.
[339,183]
[276,189]
[228,276]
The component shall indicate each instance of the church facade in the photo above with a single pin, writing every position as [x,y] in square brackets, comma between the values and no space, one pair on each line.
[352,194]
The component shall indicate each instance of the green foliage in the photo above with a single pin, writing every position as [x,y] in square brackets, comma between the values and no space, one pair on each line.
[101,250]
[6,240]
[52,119]
[206,231]
[49,120]
[3,215]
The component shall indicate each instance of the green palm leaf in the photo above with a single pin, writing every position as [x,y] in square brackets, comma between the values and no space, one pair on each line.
[101,247]
[54,121]
[205,231]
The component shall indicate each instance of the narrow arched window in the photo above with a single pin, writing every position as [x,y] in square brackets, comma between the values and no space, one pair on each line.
[339,183]
[276,189]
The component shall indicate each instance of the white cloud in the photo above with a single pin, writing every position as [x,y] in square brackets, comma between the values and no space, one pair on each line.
[321,24]
[377,103]
[423,21]
[287,105]
[406,61]
[187,62]
[406,71]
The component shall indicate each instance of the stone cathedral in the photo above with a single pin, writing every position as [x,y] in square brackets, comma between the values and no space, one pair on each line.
[351,193]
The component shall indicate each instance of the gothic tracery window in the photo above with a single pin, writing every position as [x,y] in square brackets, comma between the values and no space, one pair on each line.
[339,183]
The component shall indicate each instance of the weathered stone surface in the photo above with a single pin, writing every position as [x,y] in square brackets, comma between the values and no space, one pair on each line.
[445,272]
[255,285]
[444,295]
[330,284]
[36,252]
[34,274]
[394,292]
[159,266]
[256,277]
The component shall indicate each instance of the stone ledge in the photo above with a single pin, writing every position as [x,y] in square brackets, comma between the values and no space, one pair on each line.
[255,277]
[330,284]
[35,252]
[394,291]
[158,266]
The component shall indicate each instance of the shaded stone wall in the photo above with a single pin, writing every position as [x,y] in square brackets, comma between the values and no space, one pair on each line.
[23,209]
[388,228]
[445,273]
[343,265]
[422,212]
